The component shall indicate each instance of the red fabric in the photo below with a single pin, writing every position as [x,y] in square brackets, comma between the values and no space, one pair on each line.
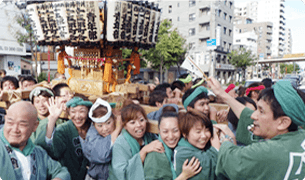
[261,87]
[230,87]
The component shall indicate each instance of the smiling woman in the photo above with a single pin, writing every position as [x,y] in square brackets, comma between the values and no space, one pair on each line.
[132,146]
[66,144]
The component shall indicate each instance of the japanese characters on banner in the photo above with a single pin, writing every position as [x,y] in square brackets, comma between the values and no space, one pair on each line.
[35,23]
[139,23]
[63,22]
[82,22]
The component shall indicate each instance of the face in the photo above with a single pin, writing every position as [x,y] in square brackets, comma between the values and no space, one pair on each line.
[264,123]
[18,127]
[188,85]
[202,105]
[136,127]
[105,128]
[169,92]
[169,131]
[26,84]
[65,95]
[39,103]
[8,85]
[79,115]
[198,136]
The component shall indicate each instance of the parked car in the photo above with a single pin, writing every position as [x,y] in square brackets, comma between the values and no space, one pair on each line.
[297,77]
[257,80]
[293,82]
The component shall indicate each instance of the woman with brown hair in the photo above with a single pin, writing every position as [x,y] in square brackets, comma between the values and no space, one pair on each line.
[131,147]
[197,131]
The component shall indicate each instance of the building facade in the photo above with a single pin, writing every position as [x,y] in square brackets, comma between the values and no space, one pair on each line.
[267,11]
[199,21]
[288,41]
[11,51]
[263,30]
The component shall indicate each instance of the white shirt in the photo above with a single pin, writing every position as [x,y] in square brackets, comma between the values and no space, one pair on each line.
[25,164]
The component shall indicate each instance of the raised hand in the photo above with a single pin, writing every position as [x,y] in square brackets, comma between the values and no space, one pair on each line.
[55,107]
[189,169]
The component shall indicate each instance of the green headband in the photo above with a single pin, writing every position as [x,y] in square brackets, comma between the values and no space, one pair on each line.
[187,79]
[77,101]
[194,94]
[198,84]
[290,101]
[35,92]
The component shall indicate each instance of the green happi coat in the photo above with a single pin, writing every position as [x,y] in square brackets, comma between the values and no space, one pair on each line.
[242,134]
[207,158]
[126,163]
[42,127]
[66,148]
[159,165]
[42,165]
[281,157]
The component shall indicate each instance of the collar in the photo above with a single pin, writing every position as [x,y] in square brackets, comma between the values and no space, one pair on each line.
[27,150]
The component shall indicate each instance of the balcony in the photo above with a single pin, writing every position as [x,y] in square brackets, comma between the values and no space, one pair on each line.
[269,37]
[268,51]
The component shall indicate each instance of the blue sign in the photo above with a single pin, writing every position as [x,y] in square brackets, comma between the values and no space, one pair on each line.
[261,56]
[211,42]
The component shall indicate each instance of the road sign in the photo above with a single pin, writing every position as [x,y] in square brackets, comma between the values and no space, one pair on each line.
[261,56]
[211,44]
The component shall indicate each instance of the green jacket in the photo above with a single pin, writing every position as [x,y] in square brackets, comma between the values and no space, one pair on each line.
[157,167]
[66,148]
[207,158]
[42,165]
[278,158]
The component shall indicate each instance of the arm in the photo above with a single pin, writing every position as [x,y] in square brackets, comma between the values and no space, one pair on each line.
[155,146]
[55,109]
[189,169]
[118,128]
[236,106]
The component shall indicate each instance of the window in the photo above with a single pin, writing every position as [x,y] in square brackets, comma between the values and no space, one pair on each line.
[191,45]
[178,18]
[248,21]
[224,16]
[245,30]
[204,11]
[204,26]
[192,3]
[225,2]
[218,13]
[203,41]
[237,40]
[230,32]
[192,17]
[230,46]
[224,30]
[170,9]
[230,19]
[231,4]
[239,30]
[224,44]
[178,5]
[191,31]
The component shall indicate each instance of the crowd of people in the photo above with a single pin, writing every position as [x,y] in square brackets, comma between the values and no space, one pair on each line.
[260,136]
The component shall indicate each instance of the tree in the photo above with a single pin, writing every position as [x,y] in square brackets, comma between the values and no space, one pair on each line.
[25,35]
[168,50]
[241,58]
[288,68]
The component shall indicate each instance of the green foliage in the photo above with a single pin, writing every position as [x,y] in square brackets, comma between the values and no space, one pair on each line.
[241,59]
[237,83]
[169,48]
[289,67]
[42,77]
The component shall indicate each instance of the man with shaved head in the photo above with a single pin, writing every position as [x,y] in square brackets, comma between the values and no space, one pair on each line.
[20,158]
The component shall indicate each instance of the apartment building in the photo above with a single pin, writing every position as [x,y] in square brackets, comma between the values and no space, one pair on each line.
[288,42]
[199,21]
[267,11]
[263,30]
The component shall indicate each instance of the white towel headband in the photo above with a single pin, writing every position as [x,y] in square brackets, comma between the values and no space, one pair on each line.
[104,118]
